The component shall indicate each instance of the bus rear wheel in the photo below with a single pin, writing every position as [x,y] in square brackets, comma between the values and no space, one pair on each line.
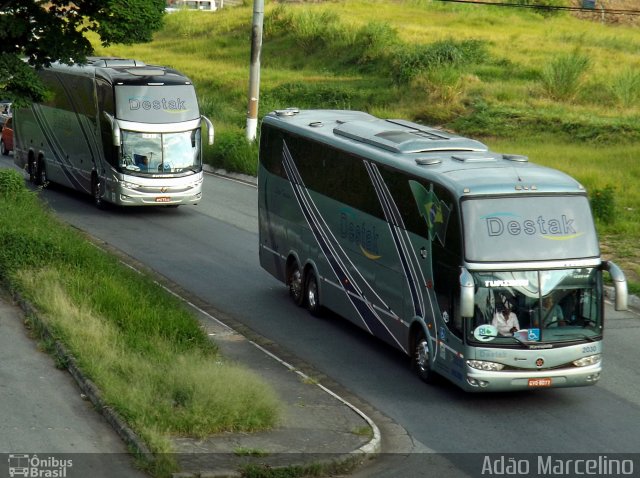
[312,295]
[296,285]
[422,358]
[41,174]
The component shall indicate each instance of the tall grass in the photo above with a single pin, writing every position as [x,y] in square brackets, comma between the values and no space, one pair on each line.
[563,78]
[145,351]
[626,88]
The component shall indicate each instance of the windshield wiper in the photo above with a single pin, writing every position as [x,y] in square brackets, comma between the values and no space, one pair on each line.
[578,337]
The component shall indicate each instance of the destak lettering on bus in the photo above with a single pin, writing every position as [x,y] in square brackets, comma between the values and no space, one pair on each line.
[361,234]
[498,226]
[159,104]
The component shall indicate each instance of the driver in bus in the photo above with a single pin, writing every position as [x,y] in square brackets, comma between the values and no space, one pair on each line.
[506,321]
[551,313]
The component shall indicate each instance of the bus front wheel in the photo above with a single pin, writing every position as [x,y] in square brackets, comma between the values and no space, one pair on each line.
[96,192]
[32,167]
[312,296]
[41,174]
[422,358]
[295,284]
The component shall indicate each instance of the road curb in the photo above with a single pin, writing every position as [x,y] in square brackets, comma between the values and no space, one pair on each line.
[138,447]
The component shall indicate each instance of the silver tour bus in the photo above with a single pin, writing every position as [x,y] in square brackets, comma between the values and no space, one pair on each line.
[482,267]
[125,132]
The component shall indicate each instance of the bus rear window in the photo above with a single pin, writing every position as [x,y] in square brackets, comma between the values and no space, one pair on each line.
[533,228]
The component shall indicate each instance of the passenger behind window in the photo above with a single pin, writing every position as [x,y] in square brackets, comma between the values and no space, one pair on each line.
[506,321]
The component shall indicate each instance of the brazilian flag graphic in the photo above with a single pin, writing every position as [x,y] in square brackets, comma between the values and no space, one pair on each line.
[435,212]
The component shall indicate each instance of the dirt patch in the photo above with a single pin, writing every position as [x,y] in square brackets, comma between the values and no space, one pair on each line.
[603,12]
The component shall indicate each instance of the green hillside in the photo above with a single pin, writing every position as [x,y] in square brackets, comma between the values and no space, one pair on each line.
[563,91]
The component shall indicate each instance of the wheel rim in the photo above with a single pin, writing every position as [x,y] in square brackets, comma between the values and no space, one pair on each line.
[312,293]
[295,284]
[96,192]
[422,355]
[43,175]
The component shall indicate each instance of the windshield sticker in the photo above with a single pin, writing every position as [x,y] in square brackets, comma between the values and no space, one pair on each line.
[485,332]
[527,335]
[435,212]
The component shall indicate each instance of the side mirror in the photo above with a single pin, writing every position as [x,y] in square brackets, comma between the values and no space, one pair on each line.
[115,129]
[209,128]
[619,285]
[467,293]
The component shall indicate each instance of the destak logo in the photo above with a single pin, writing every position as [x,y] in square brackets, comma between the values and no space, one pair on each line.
[164,104]
[359,232]
[509,224]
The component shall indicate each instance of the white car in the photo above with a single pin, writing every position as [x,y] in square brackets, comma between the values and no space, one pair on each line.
[201,5]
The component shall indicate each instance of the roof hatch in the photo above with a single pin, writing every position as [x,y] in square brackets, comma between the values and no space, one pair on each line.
[405,137]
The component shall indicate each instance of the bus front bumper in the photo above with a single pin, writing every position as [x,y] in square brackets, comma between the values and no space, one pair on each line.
[506,380]
[171,192]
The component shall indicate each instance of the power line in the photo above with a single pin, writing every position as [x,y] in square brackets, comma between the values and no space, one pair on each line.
[611,11]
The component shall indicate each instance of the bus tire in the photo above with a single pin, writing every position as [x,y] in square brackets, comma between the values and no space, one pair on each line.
[421,359]
[32,169]
[3,148]
[312,297]
[41,174]
[294,281]
[96,192]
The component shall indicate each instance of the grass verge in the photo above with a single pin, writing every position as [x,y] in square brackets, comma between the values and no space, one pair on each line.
[143,349]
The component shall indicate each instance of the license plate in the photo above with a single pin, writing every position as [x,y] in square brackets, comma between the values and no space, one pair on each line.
[163,199]
[539,382]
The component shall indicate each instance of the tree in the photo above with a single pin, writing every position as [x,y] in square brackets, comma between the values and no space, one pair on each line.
[35,33]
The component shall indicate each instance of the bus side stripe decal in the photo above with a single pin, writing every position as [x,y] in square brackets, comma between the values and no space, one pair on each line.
[54,144]
[328,245]
[390,211]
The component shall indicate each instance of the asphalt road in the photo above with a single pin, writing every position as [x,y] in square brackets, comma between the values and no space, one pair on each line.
[210,250]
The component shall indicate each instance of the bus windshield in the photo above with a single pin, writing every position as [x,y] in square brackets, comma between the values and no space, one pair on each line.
[514,307]
[159,153]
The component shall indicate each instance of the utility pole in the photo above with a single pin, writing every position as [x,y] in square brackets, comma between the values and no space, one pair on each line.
[254,69]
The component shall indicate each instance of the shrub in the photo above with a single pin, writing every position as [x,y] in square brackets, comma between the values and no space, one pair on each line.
[233,152]
[313,30]
[626,88]
[410,62]
[11,182]
[564,76]
[603,204]
[372,41]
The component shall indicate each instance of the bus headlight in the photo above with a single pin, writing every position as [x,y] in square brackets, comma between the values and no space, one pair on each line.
[482,365]
[128,185]
[590,360]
